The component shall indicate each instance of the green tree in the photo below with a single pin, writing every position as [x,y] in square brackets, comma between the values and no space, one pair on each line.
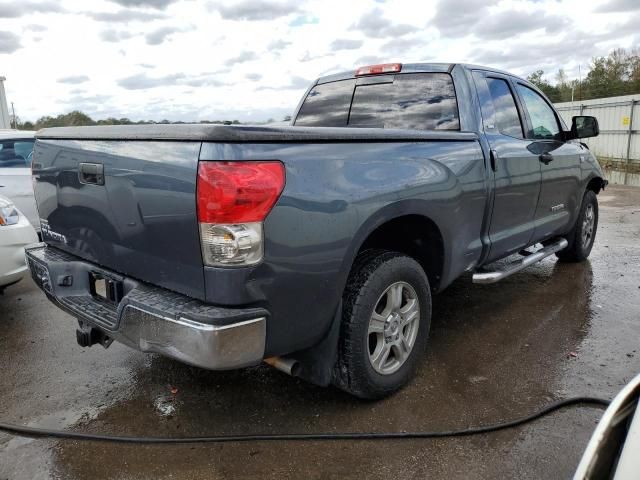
[77,118]
[564,86]
[537,78]
[618,73]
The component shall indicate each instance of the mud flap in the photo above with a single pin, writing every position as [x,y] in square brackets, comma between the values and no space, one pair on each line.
[317,363]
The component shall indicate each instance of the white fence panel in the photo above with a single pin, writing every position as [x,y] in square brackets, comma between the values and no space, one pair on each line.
[618,145]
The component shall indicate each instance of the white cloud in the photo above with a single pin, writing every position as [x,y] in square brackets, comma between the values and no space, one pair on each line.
[159,4]
[74,79]
[158,36]
[253,59]
[9,42]
[11,9]
[256,9]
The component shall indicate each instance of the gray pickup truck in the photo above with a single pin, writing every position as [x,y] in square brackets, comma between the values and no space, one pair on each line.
[314,247]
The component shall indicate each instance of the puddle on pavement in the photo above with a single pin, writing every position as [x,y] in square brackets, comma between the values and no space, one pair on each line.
[496,352]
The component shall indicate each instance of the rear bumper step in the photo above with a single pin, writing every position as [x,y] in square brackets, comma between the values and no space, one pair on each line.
[148,318]
[493,277]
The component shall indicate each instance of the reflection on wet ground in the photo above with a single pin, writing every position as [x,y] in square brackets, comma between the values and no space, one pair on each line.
[495,352]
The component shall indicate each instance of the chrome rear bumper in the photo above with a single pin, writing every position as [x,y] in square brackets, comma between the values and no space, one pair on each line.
[208,346]
[151,319]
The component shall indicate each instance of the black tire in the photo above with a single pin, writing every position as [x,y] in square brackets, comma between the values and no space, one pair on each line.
[580,240]
[376,272]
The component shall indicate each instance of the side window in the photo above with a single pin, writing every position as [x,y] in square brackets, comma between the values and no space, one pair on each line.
[507,118]
[543,121]
[15,153]
[327,105]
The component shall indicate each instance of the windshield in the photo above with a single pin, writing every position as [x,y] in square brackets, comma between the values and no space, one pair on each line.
[420,101]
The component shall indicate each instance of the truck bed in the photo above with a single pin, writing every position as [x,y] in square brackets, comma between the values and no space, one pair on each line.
[340,183]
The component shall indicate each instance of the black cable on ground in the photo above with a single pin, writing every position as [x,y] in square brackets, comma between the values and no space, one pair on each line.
[61,434]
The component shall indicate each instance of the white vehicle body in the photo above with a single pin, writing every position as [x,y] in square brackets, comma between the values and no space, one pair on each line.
[16,149]
[13,238]
[613,449]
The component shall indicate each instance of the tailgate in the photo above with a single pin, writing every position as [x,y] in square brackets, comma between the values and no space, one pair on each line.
[129,206]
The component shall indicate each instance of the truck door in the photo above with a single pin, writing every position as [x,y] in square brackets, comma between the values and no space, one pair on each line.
[560,193]
[515,169]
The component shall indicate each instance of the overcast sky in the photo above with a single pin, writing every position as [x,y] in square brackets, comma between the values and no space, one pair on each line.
[252,59]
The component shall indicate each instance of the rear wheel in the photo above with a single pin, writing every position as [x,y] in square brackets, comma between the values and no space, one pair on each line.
[583,235]
[385,324]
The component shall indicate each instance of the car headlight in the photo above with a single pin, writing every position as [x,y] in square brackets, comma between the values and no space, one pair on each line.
[9,215]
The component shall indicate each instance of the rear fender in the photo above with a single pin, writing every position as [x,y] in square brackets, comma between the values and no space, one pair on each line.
[390,212]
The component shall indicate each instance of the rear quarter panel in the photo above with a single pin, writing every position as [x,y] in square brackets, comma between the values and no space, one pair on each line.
[336,194]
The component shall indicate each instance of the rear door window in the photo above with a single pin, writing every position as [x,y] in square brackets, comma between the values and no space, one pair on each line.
[16,153]
[327,105]
[420,101]
[506,113]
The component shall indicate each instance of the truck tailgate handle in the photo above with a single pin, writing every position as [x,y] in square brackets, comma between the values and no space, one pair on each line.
[546,158]
[91,173]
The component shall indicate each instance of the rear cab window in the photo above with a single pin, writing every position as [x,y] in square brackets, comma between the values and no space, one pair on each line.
[16,153]
[419,101]
[327,105]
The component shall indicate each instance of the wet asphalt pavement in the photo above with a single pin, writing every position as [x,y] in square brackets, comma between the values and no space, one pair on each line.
[496,352]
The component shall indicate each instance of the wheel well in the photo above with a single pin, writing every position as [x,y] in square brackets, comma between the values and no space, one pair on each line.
[595,185]
[416,236]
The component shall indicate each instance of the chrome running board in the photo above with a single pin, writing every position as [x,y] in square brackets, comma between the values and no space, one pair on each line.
[493,277]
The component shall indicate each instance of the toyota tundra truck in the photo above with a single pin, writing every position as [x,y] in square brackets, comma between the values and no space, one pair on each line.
[315,247]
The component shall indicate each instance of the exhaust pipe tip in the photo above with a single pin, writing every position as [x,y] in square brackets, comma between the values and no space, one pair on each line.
[289,366]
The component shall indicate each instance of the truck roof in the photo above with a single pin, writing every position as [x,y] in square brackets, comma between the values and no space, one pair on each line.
[10,133]
[414,68]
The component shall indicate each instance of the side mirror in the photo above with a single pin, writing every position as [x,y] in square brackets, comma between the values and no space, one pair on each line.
[583,127]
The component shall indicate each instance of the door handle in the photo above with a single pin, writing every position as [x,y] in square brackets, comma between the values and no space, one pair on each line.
[91,173]
[493,157]
[546,158]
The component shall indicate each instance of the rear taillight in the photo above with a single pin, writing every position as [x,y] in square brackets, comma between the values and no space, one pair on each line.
[234,198]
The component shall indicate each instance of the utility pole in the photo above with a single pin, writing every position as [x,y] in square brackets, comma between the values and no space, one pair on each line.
[4,113]
[13,111]
[579,82]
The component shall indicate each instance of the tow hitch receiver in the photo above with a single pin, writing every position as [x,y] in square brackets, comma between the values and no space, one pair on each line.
[87,336]
[105,289]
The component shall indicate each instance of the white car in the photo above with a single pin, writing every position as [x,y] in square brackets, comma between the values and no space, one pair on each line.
[613,449]
[15,233]
[16,150]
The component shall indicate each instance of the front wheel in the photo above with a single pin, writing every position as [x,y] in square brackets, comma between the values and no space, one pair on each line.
[583,235]
[385,324]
